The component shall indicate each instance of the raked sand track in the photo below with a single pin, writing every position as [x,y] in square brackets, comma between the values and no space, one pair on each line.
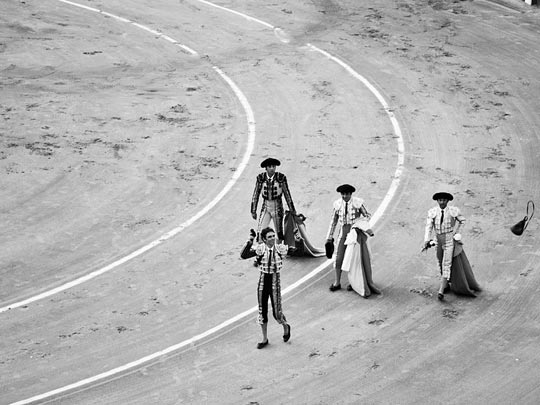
[111,136]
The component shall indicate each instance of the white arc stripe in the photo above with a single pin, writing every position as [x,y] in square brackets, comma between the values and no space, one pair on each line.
[397,130]
[237,173]
[374,219]
[378,214]
[125,20]
[247,17]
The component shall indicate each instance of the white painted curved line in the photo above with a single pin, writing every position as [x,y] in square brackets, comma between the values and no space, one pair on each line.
[238,172]
[164,352]
[397,130]
[400,160]
[374,219]
[247,17]
[136,363]
[376,216]
[395,124]
[278,32]
[143,27]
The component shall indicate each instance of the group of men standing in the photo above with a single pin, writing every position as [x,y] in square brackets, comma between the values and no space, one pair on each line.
[352,252]
[270,248]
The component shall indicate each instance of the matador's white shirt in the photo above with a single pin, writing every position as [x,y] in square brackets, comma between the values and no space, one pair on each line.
[433,221]
[355,211]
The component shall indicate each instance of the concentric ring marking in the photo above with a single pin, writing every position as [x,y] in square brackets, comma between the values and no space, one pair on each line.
[237,173]
[374,219]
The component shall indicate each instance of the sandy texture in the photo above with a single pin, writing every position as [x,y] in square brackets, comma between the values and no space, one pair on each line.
[111,136]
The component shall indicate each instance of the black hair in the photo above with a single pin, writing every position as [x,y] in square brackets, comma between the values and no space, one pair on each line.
[265,232]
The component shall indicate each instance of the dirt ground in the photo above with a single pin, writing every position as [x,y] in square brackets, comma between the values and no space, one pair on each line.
[112,136]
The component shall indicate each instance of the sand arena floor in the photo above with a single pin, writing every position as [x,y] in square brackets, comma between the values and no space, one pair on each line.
[131,133]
